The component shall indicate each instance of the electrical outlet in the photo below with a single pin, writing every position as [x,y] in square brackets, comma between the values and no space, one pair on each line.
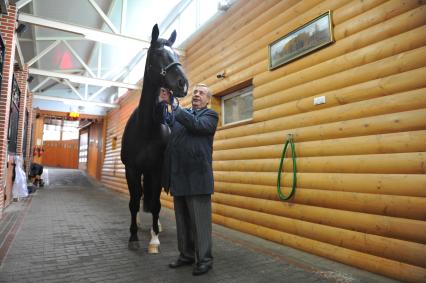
[319,100]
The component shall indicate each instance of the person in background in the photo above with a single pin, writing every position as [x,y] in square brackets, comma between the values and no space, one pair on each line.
[188,174]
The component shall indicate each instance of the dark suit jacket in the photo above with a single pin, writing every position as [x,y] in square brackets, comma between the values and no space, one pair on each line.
[188,157]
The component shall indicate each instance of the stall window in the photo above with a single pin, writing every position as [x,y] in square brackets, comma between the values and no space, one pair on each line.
[237,106]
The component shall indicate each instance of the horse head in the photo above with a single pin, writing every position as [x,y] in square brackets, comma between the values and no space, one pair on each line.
[163,64]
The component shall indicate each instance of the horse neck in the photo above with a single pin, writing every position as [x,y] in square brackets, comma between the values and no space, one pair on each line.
[147,103]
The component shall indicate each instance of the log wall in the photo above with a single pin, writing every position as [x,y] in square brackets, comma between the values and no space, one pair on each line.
[361,183]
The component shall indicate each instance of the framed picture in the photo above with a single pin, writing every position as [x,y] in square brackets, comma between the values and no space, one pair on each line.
[305,39]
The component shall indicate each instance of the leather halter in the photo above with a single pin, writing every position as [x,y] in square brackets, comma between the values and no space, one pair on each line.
[164,70]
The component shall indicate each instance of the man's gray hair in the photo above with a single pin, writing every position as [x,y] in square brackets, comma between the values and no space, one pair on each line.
[209,93]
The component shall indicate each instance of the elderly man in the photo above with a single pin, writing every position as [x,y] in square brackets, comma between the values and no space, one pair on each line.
[189,176]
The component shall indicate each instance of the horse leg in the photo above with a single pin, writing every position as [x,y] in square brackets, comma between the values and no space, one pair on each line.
[155,191]
[135,190]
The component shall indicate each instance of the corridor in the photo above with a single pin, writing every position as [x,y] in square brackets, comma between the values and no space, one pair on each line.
[74,230]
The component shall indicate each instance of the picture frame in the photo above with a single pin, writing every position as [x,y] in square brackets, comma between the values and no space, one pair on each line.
[312,36]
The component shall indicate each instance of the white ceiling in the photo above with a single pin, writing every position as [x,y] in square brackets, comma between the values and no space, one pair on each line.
[62,59]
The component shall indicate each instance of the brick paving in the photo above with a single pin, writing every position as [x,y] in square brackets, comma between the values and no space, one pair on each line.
[74,230]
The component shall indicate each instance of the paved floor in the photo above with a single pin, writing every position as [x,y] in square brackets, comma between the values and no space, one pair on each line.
[74,230]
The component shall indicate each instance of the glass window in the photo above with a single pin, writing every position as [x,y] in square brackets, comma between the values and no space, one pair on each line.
[208,9]
[237,106]
[54,127]
[70,130]
[187,23]
[51,132]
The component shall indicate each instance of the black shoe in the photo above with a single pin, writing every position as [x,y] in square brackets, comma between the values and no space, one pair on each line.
[180,262]
[202,268]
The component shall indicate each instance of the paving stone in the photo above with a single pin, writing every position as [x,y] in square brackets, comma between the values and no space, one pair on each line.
[76,231]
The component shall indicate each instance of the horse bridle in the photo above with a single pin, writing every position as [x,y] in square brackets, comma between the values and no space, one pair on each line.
[163,73]
[164,70]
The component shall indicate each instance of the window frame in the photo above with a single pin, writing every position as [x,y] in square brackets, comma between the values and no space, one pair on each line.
[239,92]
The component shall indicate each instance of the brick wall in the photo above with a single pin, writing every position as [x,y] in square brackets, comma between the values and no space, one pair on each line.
[7,29]
[21,78]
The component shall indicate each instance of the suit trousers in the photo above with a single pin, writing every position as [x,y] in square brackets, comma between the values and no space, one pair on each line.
[194,227]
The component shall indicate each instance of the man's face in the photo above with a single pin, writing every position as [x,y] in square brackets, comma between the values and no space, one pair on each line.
[200,97]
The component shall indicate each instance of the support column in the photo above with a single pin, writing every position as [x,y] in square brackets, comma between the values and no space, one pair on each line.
[30,134]
[7,29]
[21,78]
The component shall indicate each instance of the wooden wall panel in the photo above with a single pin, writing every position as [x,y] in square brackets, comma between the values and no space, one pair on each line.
[361,182]
[94,159]
[112,173]
[63,154]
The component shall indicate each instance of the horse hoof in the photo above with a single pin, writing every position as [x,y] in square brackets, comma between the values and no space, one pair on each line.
[133,245]
[134,238]
[153,249]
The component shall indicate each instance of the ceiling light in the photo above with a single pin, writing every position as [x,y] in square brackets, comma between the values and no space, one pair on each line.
[223,5]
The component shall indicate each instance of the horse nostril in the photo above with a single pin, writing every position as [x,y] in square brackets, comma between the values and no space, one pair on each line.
[181,83]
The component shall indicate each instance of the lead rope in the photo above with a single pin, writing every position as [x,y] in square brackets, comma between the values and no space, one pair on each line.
[293,189]
[169,117]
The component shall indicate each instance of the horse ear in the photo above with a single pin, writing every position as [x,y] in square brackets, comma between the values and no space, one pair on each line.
[172,38]
[155,33]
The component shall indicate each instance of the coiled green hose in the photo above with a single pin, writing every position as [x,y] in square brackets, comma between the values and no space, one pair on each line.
[293,189]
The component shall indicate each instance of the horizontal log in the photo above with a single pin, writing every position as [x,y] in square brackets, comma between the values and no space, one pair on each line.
[113,162]
[245,39]
[391,227]
[363,56]
[114,186]
[382,124]
[374,16]
[350,10]
[258,39]
[407,252]
[353,9]
[389,47]
[221,30]
[233,27]
[396,103]
[387,184]
[406,81]
[117,176]
[386,267]
[119,182]
[373,144]
[409,20]
[239,71]
[232,80]
[113,167]
[120,179]
[218,61]
[396,163]
[387,205]
[399,63]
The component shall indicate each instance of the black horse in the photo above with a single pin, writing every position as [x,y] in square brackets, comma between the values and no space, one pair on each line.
[145,136]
